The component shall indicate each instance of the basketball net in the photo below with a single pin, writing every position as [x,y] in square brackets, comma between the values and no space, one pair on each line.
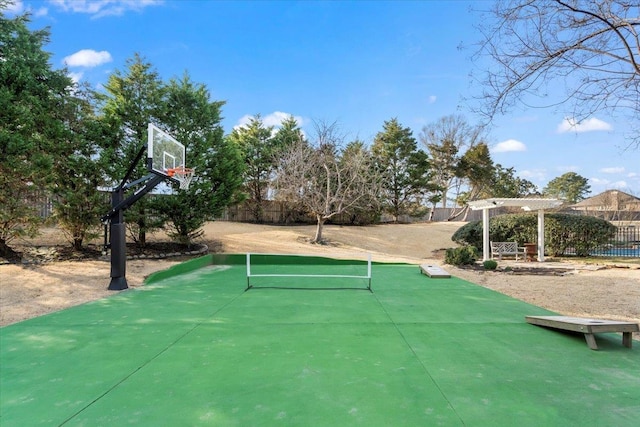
[182,175]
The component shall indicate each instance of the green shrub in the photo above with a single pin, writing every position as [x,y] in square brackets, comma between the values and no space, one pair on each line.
[490,264]
[562,231]
[463,255]
[469,234]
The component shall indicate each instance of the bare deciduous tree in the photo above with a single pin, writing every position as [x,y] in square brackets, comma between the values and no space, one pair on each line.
[447,140]
[323,179]
[536,49]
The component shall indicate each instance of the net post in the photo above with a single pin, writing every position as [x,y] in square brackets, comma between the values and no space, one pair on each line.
[369,270]
[248,270]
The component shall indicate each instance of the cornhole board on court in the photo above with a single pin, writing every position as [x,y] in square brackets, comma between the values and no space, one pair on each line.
[587,326]
[434,271]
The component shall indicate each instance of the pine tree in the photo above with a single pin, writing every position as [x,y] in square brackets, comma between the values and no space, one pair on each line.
[133,100]
[194,120]
[258,148]
[569,187]
[78,205]
[31,126]
[405,169]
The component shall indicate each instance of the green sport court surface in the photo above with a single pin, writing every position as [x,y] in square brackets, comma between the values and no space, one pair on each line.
[192,347]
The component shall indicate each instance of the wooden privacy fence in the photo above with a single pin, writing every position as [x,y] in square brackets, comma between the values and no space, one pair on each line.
[275,212]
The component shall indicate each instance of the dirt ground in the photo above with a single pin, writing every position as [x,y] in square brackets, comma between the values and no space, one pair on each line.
[573,289]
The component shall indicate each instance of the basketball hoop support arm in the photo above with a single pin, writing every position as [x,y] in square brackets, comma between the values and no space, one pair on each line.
[151,181]
[117,234]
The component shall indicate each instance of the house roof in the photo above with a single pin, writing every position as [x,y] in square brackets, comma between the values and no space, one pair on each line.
[614,199]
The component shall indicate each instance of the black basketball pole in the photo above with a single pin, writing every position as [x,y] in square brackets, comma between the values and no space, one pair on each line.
[118,244]
[117,235]
[115,217]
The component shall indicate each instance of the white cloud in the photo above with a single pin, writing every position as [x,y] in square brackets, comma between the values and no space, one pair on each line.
[535,175]
[274,119]
[76,77]
[18,7]
[432,99]
[40,12]
[15,8]
[243,121]
[612,170]
[620,184]
[607,184]
[87,58]
[277,117]
[570,124]
[598,185]
[509,145]
[633,175]
[599,182]
[100,8]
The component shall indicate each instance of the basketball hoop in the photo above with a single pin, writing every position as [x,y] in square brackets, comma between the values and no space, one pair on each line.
[182,175]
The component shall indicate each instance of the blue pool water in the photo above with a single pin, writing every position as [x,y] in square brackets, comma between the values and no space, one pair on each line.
[625,252]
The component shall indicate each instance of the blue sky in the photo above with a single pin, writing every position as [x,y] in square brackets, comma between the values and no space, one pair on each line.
[360,63]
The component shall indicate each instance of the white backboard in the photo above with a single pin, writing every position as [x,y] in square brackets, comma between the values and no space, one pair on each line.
[163,151]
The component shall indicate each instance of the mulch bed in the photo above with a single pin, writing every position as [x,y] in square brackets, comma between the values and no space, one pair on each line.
[152,250]
[522,270]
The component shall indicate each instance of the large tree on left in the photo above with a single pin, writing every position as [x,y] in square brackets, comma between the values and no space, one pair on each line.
[31,126]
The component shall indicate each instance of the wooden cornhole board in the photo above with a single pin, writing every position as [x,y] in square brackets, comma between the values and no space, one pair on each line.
[434,271]
[588,327]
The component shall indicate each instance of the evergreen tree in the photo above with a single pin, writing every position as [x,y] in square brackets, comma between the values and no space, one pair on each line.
[258,148]
[569,187]
[404,167]
[78,205]
[193,119]
[31,126]
[477,170]
[289,133]
[507,184]
[133,100]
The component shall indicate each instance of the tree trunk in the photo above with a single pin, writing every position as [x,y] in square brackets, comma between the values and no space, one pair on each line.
[142,231]
[7,253]
[77,243]
[466,213]
[318,238]
[455,215]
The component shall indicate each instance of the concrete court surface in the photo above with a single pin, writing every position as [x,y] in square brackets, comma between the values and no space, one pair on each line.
[193,347]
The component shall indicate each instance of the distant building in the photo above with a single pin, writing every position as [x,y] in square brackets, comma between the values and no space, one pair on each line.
[612,205]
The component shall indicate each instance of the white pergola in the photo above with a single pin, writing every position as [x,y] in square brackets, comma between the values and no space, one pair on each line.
[526,204]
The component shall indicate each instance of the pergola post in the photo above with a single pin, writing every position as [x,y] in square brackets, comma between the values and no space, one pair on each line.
[486,252]
[541,235]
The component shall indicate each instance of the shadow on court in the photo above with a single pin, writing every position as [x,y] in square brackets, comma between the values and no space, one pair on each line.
[195,347]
